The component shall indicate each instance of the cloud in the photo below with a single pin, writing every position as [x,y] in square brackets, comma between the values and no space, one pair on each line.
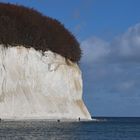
[94,50]
[111,69]
[126,85]
[123,48]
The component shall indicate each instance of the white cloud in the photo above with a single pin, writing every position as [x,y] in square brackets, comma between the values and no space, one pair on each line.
[129,42]
[112,67]
[126,85]
[124,48]
[94,49]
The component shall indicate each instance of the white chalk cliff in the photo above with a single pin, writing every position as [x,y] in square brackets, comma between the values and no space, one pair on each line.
[36,86]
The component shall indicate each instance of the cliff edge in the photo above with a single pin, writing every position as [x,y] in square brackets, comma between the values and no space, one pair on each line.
[39,86]
[39,75]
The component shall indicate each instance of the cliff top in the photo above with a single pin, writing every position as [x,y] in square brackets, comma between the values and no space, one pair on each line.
[24,26]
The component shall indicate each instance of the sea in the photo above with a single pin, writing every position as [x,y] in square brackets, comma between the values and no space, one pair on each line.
[102,128]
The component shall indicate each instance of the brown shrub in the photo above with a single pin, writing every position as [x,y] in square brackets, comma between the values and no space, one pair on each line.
[24,26]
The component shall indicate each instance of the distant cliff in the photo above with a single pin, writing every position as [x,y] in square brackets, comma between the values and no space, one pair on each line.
[36,86]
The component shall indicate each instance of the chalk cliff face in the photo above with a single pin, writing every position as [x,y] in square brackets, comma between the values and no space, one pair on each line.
[39,86]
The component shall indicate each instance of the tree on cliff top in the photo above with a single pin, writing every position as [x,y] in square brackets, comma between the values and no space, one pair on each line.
[24,26]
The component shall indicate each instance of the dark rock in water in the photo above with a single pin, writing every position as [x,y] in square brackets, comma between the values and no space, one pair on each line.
[24,26]
[79,119]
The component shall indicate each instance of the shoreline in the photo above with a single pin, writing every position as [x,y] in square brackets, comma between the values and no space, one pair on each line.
[47,120]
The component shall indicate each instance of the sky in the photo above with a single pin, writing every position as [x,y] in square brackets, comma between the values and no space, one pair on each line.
[109,34]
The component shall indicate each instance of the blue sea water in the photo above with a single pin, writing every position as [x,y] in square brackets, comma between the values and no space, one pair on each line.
[103,129]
